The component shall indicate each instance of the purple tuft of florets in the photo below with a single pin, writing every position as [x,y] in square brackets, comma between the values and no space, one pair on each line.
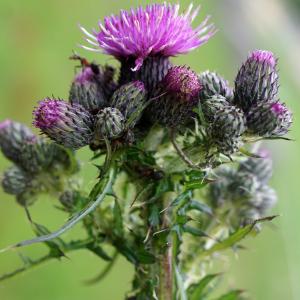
[86,75]
[158,29]
[263,56]
[4,124]
[278,108]
[184,81]
[139,85]
[48,113]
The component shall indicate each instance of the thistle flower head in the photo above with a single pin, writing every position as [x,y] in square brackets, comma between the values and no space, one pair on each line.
[257,80]
[68,125]
[158,29]
[183,81]
[269,119]
[87,90]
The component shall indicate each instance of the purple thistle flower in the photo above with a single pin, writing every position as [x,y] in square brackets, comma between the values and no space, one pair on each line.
[257,80]
[157,30]
[66,124]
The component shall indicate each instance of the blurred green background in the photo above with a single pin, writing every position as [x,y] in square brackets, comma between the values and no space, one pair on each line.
[36,38]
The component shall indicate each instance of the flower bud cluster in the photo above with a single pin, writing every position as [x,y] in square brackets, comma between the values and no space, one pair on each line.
[38,166]
[244,189]
[256,93]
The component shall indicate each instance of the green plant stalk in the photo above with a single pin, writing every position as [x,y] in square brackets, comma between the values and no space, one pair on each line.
[165,261]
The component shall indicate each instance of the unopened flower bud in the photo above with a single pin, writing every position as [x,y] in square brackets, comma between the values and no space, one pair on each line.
[15,181]
[110,123]
[176,96]
[269,119]
[212,106]
[130,100]
[66,124]
[86,89]
[244,186]
[265,199]
[218,190]
[69,199]
[260,167]
[227,128]
[13,136]
[257,80]
[36,155]
[213,84]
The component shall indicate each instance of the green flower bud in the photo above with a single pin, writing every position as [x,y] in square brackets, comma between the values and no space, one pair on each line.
[130,100]
[110,123]
[269,119]
[257,80]
[69,199]
[264,199]
[244,186]
[86,89]
[213,84]
[13,136]
[15,181]
[227,128]
[260,167]
[212,106]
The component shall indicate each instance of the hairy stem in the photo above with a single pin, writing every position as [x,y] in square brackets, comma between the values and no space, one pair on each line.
[166,262]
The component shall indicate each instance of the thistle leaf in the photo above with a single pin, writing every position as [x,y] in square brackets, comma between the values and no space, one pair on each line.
[95,201]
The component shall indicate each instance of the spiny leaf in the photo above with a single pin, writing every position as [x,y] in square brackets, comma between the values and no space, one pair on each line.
[236,237]
[96,249]
[96,200]
[118,220]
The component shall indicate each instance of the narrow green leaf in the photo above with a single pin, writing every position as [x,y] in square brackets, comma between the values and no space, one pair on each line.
[145,257]
[154,215]
[96,249]
[194,231]
[232,295]
[236,237]
[118,220]
[197,291]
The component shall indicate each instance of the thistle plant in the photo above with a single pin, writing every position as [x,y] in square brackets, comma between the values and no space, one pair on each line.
[181,177]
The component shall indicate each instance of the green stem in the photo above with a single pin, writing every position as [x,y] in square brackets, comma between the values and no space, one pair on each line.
[166,271]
